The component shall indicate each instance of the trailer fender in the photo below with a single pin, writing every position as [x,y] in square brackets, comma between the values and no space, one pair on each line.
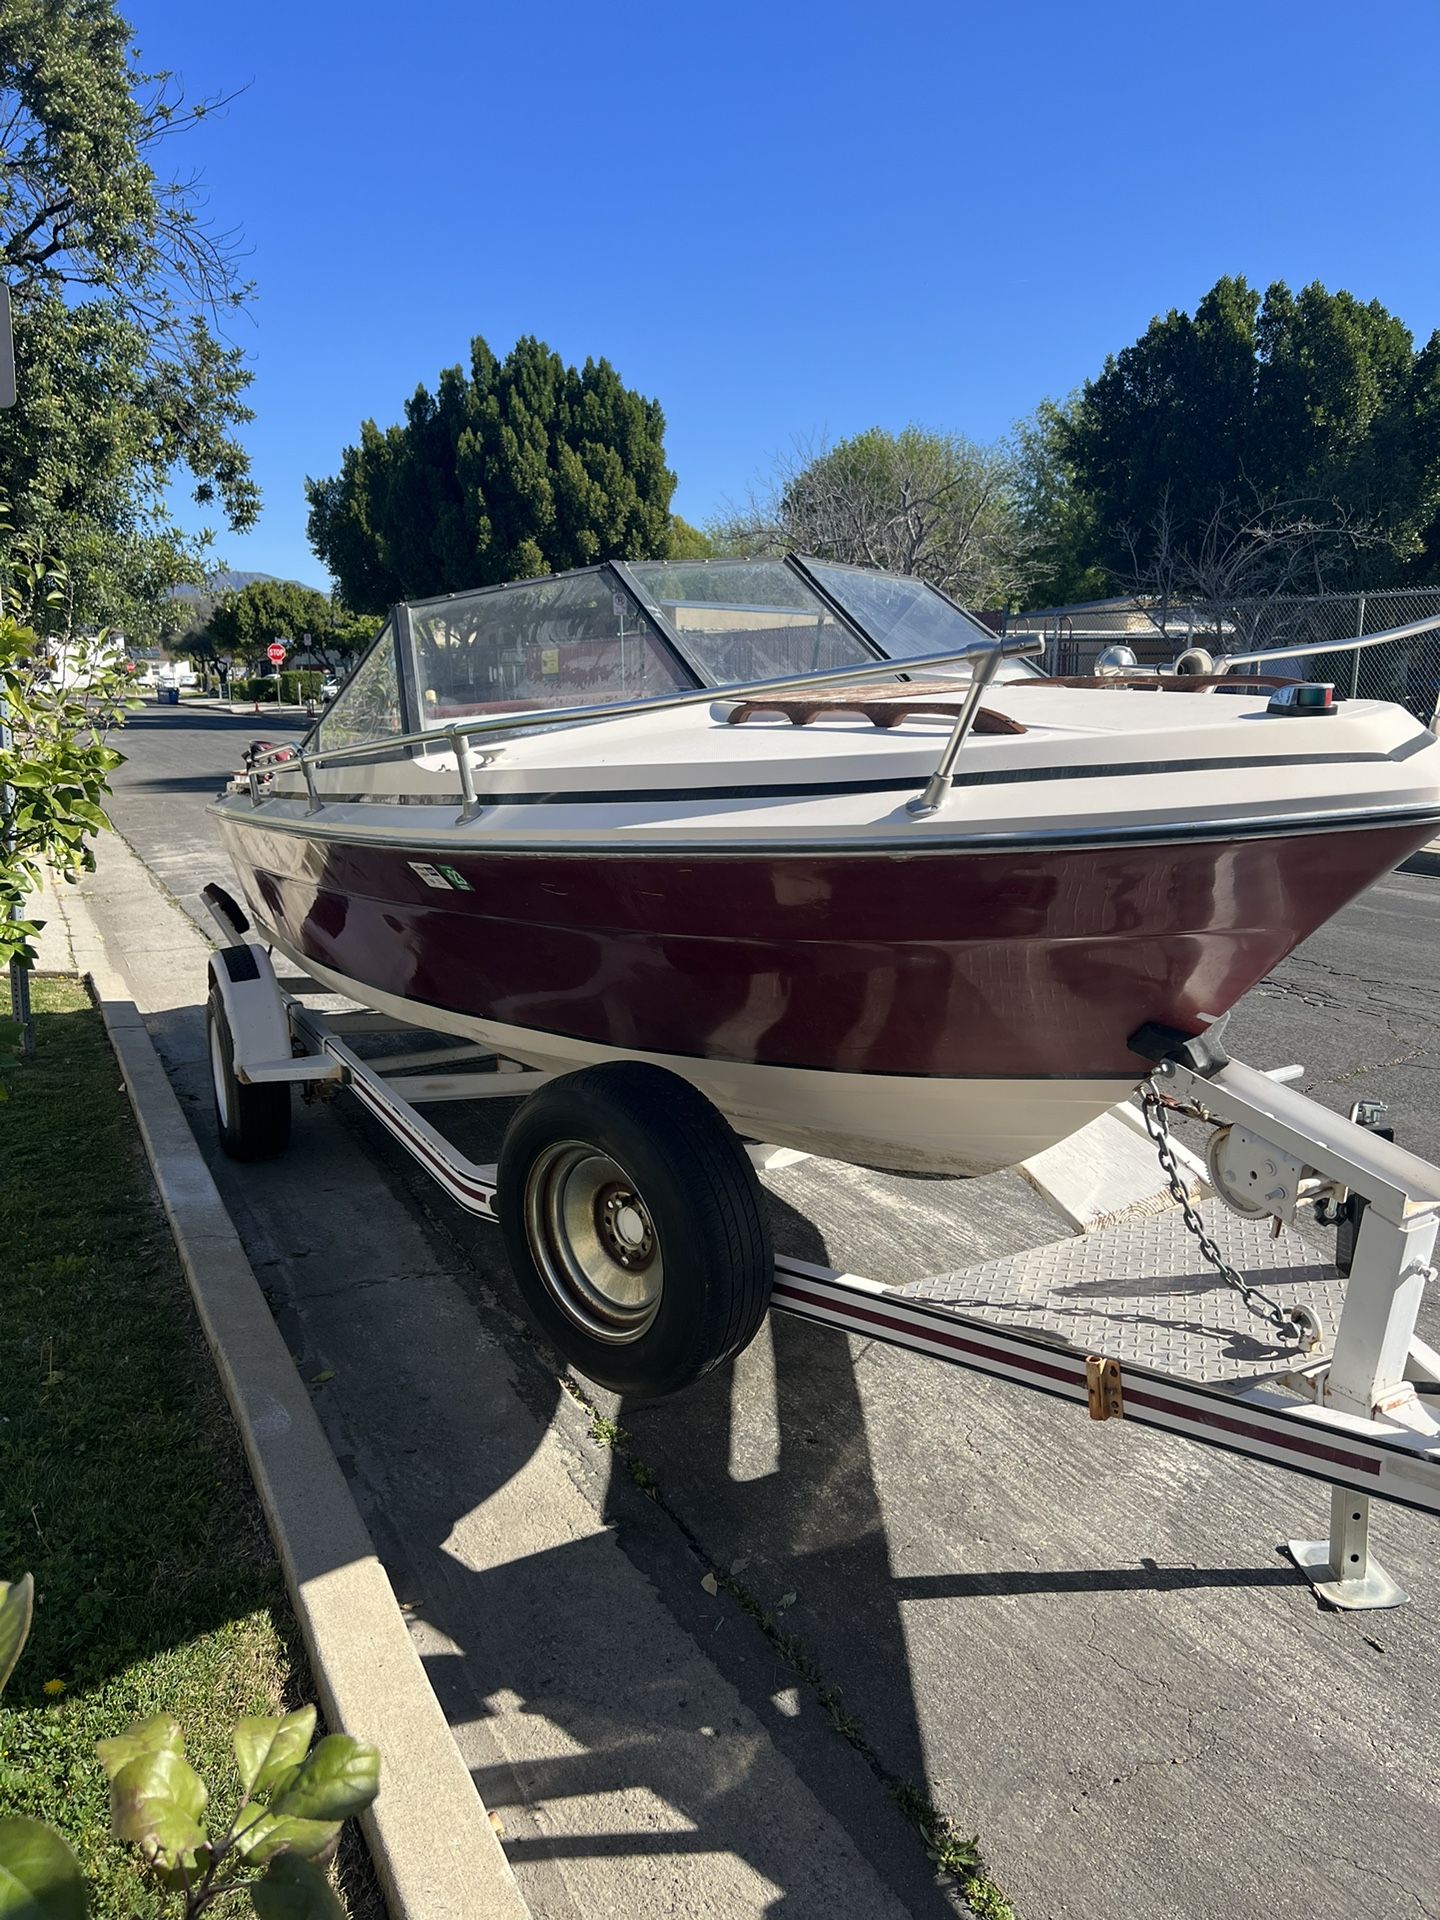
[255,1012]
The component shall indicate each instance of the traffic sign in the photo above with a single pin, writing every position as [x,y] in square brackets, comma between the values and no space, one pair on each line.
[275,652]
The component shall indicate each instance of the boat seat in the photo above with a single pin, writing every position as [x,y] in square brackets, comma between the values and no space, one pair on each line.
[883,706]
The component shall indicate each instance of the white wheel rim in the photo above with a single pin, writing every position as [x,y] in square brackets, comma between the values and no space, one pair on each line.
[593,1241]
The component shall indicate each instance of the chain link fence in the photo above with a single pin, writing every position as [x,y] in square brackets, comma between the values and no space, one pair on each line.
[1405,671]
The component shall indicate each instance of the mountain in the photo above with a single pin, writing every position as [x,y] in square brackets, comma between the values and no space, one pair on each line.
[225,580]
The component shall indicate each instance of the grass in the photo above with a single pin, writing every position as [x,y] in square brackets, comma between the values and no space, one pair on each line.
[123,1487]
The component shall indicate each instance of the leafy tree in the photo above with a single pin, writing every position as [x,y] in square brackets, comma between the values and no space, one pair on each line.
[1058,515]
[342,644]
[686,542]
[269,610]
[1301,424]
[918,501]
[120,291]
[241,625]
[508,470]
[54,761]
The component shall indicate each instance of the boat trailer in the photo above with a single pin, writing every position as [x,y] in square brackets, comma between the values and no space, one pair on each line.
[1107,1320]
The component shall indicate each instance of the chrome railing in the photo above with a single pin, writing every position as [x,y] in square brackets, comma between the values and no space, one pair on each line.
[458,737]
[1308,650]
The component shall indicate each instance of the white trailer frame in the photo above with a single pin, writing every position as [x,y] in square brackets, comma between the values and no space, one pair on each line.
[1354,1421]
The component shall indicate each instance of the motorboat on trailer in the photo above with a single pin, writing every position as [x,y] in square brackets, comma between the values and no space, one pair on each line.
[815,841]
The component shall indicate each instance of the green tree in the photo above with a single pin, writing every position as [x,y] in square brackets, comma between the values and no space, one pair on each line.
[120,291]
[54,761]
[241,625]
[1301,423]
[686,542]
[1058,515]
[508,470]
[918,501]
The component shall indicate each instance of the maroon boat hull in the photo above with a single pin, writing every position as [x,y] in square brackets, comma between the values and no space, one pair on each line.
[953,963]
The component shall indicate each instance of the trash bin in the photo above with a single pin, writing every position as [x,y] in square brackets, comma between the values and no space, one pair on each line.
[168,696]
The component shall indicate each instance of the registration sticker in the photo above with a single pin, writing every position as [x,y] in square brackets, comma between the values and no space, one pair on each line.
[432,876]
[456,879]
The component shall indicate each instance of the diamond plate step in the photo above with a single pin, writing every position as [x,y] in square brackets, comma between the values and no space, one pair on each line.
[1140,1292]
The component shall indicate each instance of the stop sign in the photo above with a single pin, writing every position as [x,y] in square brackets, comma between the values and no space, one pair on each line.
[275,653]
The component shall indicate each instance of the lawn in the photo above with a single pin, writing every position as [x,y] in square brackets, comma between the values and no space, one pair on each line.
[123,1487]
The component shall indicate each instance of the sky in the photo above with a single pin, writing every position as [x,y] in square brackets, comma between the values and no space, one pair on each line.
[787,222]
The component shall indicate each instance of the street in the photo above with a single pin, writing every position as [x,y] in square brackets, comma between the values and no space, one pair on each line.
[1080,1644]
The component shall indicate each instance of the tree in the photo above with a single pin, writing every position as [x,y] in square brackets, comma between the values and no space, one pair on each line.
[917,502]
[1057,515]
[241,625]
[120,291]
[511,469]
[686,542]
[1307,418]
[54,760]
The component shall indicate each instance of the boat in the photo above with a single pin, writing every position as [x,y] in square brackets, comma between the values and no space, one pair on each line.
[816,841]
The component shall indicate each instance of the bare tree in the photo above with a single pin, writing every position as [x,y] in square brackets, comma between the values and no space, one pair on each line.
[1248,554]
[916,502]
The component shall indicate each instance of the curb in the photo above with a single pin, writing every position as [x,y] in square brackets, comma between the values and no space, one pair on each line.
[248,708]
[435,1851]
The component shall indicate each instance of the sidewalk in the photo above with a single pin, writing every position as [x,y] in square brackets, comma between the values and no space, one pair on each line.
[214,704]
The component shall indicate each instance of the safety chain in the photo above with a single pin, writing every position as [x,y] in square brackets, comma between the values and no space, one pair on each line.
[1290,1326]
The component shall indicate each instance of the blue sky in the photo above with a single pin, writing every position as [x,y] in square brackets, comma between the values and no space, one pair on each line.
[783,221]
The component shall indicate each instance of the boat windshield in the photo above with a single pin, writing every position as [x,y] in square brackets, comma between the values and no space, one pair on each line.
[633,630]
[903,615]
[573,640]
[368,706]
[746,620]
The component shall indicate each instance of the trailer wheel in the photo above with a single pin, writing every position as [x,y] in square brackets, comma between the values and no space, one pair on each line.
[634,1224]
[254,1121]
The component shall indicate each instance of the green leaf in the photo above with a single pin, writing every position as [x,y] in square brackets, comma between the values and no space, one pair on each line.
[160,1734]
[294,1889]
[267,1749]
[261,1835]
[156,1802]
[17,1605]
[40,1878]
[341,1777]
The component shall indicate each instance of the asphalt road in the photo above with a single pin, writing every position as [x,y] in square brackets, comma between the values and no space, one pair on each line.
[1080,1643]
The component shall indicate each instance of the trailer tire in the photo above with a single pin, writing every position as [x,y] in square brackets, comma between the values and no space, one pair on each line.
[253,1121]
[635,1227]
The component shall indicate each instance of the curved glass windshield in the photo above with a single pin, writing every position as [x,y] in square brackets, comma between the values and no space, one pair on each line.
[574,640]
[367,707]
[903,615]
[744,620]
